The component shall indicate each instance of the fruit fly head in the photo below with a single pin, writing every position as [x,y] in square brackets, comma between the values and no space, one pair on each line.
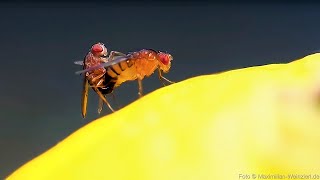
[99,50]
[165,61]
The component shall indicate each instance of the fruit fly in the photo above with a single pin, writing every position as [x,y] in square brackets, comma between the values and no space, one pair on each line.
[96,78]
[133,66]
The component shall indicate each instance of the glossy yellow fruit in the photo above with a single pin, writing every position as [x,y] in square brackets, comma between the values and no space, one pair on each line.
[243,123]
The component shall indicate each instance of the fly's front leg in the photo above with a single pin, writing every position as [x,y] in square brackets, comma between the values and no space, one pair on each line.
[140,88]
[96,77]
[99,84]
[100,105]
[101,96]
[161,78]
[114,100]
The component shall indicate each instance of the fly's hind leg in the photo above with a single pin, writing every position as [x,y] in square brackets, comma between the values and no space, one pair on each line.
[162,79]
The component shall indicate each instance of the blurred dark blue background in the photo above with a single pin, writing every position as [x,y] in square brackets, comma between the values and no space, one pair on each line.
[40,94]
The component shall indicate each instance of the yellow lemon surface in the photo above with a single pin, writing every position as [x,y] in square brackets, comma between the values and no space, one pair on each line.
[240,124]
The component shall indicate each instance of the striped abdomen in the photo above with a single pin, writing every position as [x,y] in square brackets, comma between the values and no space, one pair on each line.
[138,65]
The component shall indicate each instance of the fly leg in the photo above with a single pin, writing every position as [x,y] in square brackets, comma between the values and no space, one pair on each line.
[84,100]
[115,53]
[103,98]
[100,105]
[115,101]
[99,84]
[161,78]
[140,88]
[96,77]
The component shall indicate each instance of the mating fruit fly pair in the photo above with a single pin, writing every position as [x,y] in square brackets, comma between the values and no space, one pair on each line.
[103,72]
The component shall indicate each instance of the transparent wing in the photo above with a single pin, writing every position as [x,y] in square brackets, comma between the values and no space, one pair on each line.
[79,63]
[117,60]
[115,56]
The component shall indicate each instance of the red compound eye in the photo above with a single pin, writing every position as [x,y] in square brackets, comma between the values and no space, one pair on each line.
[164,58]
[97,48]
